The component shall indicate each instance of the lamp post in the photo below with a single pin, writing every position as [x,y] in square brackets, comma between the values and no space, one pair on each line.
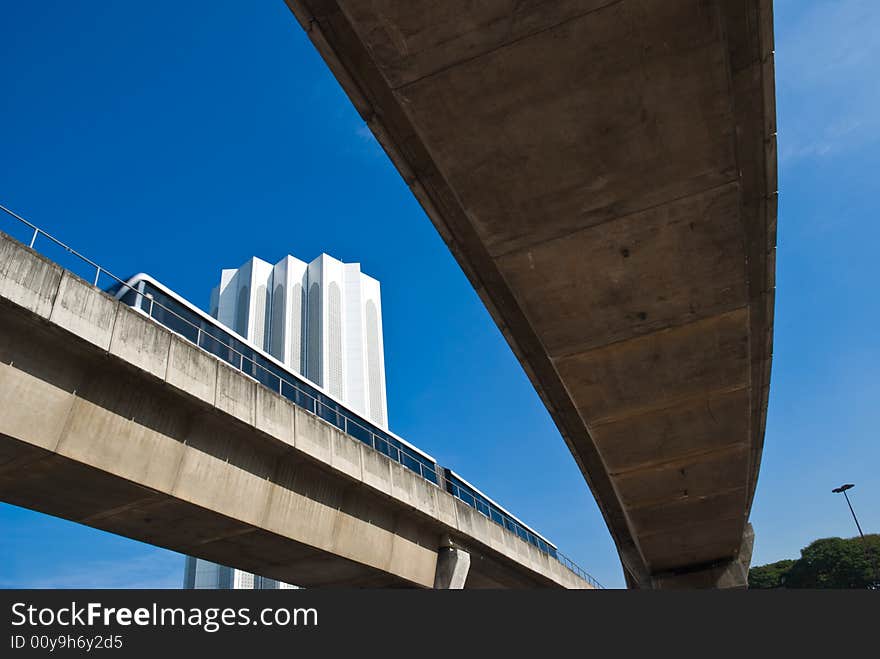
[843,488]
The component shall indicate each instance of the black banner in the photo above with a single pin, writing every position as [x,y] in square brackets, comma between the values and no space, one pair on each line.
[133,623]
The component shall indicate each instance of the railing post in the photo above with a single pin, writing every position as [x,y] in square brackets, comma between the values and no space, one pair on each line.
[97,275]
[34,237]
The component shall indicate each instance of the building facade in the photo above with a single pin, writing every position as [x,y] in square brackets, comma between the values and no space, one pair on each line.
[203,575]
[322,320]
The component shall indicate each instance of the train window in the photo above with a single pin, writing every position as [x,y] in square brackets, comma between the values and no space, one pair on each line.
[212,345]
[264,374]
[430,474]
[248,366]
[277,375]
[170,319]
[298,397]
[385,448]
[332,415]
[129,297]
[358,431]
[410,462]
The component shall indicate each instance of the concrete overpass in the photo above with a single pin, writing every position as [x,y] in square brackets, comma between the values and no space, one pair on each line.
[604,171]
[110,420]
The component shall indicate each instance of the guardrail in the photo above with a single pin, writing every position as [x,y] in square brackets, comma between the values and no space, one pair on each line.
[286,387]
[317,407]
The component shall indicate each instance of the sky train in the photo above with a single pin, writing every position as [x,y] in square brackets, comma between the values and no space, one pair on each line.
[153,299]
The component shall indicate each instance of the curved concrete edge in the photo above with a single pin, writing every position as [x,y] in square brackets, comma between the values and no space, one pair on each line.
[748,27]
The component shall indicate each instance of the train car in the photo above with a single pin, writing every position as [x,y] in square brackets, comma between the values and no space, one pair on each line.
[164,306]
[461,489]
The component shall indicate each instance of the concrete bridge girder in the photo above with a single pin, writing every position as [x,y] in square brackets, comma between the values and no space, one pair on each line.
[604,172]
[113,421]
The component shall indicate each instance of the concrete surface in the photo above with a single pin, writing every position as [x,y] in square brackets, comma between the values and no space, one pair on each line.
[604,171]
[110,420]
[453,566]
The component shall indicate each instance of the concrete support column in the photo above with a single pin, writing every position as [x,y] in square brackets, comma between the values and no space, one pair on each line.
[734,574]
[453,565]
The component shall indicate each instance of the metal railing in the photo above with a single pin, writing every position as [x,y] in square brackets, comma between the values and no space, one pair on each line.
[317,407]
[486,509]
[578,570]
[288,388]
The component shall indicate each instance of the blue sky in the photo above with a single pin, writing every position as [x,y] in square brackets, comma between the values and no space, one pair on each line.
[182,138]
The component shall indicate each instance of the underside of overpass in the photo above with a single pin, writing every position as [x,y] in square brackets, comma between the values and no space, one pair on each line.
[604,171]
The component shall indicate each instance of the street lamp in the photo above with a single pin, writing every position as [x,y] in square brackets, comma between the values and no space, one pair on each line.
[843,488]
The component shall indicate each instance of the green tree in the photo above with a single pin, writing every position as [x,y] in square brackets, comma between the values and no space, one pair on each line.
[825,563]
[837,563]
[771,575]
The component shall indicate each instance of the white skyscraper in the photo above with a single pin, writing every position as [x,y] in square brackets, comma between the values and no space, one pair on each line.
[322,319]
[200,574]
